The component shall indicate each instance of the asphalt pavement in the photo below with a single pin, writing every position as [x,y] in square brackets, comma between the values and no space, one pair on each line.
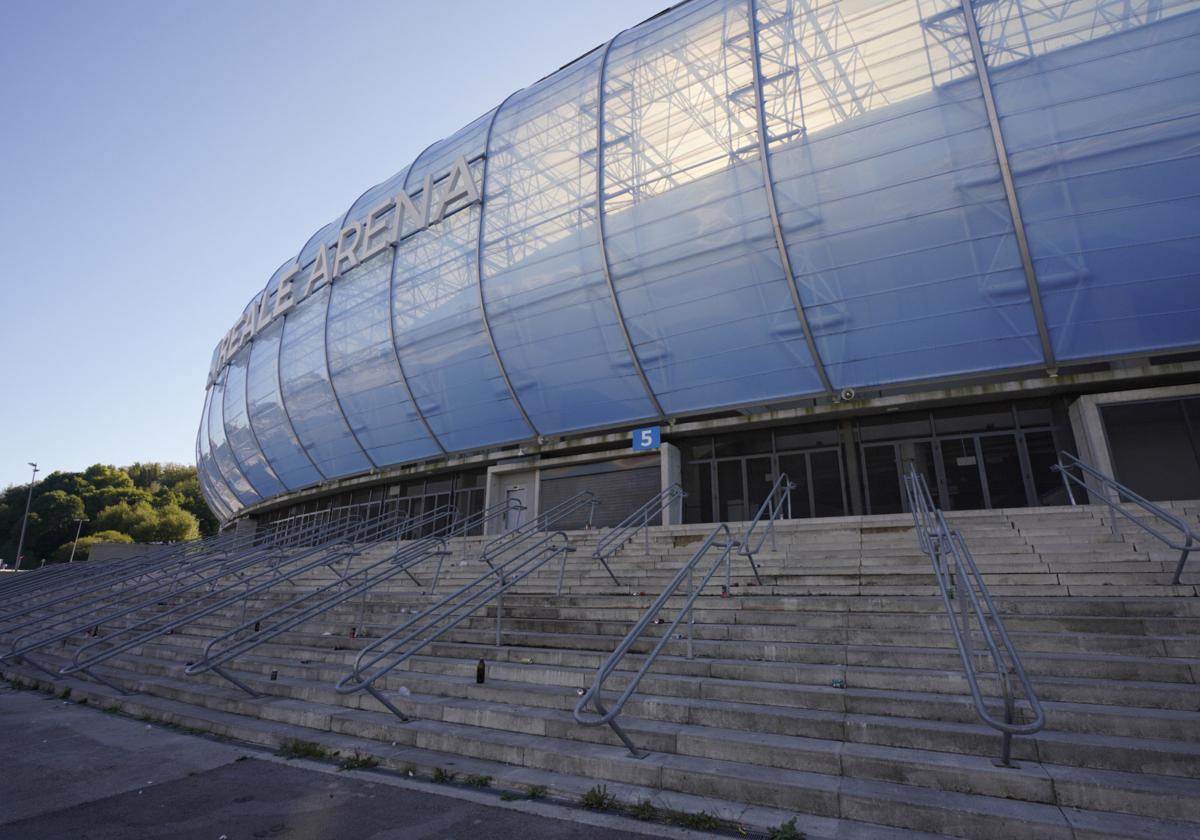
[74,772]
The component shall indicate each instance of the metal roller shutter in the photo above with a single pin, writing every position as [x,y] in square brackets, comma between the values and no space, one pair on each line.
[622,487]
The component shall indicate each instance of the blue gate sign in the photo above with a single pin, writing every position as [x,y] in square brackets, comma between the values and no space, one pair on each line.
[647,438]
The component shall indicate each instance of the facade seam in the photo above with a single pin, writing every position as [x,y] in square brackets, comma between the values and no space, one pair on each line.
[1010,189]
[283,400]
[487,326]
[600,234]
[207,471]
[391,299]
[212,405]
[236,460]
[249,425]
[329,371]
[772,208]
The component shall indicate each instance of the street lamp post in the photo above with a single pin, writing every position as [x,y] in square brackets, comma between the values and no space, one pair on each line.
[25,520]
[78,528]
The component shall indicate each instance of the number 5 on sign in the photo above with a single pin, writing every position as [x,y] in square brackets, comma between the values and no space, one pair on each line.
[647,438]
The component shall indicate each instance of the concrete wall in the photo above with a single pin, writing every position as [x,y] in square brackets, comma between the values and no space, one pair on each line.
[118,551]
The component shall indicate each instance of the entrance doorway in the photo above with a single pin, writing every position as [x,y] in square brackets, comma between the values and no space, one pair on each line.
[992,455]
[515,496]
[728,479]
[990,468]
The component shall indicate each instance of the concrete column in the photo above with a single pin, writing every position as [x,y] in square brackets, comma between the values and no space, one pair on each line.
[670,464]
[1087,425]
[246,526]
[853,469]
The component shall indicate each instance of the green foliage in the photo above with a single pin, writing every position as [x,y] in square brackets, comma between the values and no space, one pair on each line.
[443,776]
[63,553]
[598,799]
[146,523]
[536,791]
[644,810]
[358,762]
[702,821]
[785,831]
[295,748]
[478,781]
[145,502]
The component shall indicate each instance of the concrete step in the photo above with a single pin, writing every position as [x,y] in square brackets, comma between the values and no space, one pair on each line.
[903,805]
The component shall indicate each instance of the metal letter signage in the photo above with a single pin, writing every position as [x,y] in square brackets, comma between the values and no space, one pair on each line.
[385,226]
[647,438]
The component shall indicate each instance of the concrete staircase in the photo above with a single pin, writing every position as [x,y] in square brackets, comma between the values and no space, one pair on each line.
[831,691]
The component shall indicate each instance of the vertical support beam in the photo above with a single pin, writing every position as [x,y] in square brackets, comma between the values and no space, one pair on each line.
[329,373]
[487,326]
[600,235]
[1010,190]
[769,190]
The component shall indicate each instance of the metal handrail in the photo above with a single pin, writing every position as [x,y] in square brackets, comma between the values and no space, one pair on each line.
[455,608]
[155,575]
[32,579]
[122,571]
[592,695]
[151,582]
[401,561]
[1188,536]
[628,529]
[542,522]
[952,560]
[345,543]
[778,500]
[72,617]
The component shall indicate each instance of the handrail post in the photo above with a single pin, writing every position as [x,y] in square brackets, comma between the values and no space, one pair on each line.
[562,570]
[1062,472]
[1183,556]
[499,614]
[691,611]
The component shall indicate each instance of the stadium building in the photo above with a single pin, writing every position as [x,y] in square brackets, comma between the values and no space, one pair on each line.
[754,237]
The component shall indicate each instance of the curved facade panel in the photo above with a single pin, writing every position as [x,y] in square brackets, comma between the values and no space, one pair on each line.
[693,255]
[441,333]
[268,417]
[222,454]
[891,200]
[737,203]
[543,280]
[241,439]
[366,371]
[1109,186]
[219,487]
[311,404]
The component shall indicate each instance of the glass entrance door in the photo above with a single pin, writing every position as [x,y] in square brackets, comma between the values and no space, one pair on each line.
[962,474]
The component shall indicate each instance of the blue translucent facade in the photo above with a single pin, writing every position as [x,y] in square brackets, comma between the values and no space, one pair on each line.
[741,202]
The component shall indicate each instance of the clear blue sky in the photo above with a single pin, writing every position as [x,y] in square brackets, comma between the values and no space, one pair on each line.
[159,159]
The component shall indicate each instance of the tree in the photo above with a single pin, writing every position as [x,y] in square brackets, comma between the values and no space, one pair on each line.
[145,523]
[175,523]
[145,502]
[51,521]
